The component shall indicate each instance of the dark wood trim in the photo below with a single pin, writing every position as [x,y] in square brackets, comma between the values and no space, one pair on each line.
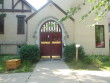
[61,10]
[15,10]
[12,4]
[16,3]
[103,36]
[20,16]
[22,5]
[50,1]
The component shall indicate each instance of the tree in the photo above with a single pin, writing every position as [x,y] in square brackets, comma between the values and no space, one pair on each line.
[1,1]
[3,14]
[100,7]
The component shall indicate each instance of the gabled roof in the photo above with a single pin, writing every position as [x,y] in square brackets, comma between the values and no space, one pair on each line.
[37,3]
[36,11]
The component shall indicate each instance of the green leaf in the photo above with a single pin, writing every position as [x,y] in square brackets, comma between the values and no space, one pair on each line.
[1,1]
[109,7]
[90,0]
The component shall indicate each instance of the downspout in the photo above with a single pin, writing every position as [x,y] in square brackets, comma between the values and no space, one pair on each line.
[26,31]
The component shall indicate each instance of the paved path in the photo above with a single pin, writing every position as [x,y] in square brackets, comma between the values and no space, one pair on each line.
[56,71]
[93,76]
[14,78]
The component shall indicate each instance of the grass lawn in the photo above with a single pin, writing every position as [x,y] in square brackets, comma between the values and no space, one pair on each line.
[81,65]
[26,66]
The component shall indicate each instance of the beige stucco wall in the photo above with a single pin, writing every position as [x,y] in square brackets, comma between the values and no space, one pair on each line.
[85,35]
[8,49]
[33,24]
[79,32]
[10,39]
[10,30]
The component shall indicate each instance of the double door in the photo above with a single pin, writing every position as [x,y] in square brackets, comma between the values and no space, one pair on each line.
[51,44]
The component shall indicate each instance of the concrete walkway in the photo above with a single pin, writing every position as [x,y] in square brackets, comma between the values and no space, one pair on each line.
[14,78]
[56,71]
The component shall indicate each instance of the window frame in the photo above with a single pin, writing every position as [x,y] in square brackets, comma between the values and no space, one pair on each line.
[23,24]
[3,26]
[103,35]
[109,27]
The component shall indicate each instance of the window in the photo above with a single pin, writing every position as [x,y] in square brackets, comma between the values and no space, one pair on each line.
[109,27]
[1,25]
[21,24]
[99,33]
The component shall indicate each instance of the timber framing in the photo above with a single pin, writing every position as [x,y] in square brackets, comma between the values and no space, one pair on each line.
[24,2]
[50,1]
[13,9]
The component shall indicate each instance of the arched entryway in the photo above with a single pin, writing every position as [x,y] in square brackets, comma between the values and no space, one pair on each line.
[50,39]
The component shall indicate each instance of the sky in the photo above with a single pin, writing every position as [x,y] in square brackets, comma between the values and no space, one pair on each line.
[37,3]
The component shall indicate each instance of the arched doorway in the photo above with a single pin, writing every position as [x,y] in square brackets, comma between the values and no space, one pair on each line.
[50,39]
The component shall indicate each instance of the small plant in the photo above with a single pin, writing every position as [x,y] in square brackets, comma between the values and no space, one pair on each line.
[81,53]
[70,52]
[11,57]
[93,62]
[87,60]
[26,65]
[96,60]
[29,52]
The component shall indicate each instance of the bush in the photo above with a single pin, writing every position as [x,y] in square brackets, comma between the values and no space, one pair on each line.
[96,60]
[70,52]
[87,60]
[81,53]
[29,52]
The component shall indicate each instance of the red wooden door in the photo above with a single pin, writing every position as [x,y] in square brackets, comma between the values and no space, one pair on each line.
[50,40]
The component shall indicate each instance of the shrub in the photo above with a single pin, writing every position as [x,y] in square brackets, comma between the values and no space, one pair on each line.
[96,60]
[29,52]
[81,53]
[25,67]
[87,60]
[70,52]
